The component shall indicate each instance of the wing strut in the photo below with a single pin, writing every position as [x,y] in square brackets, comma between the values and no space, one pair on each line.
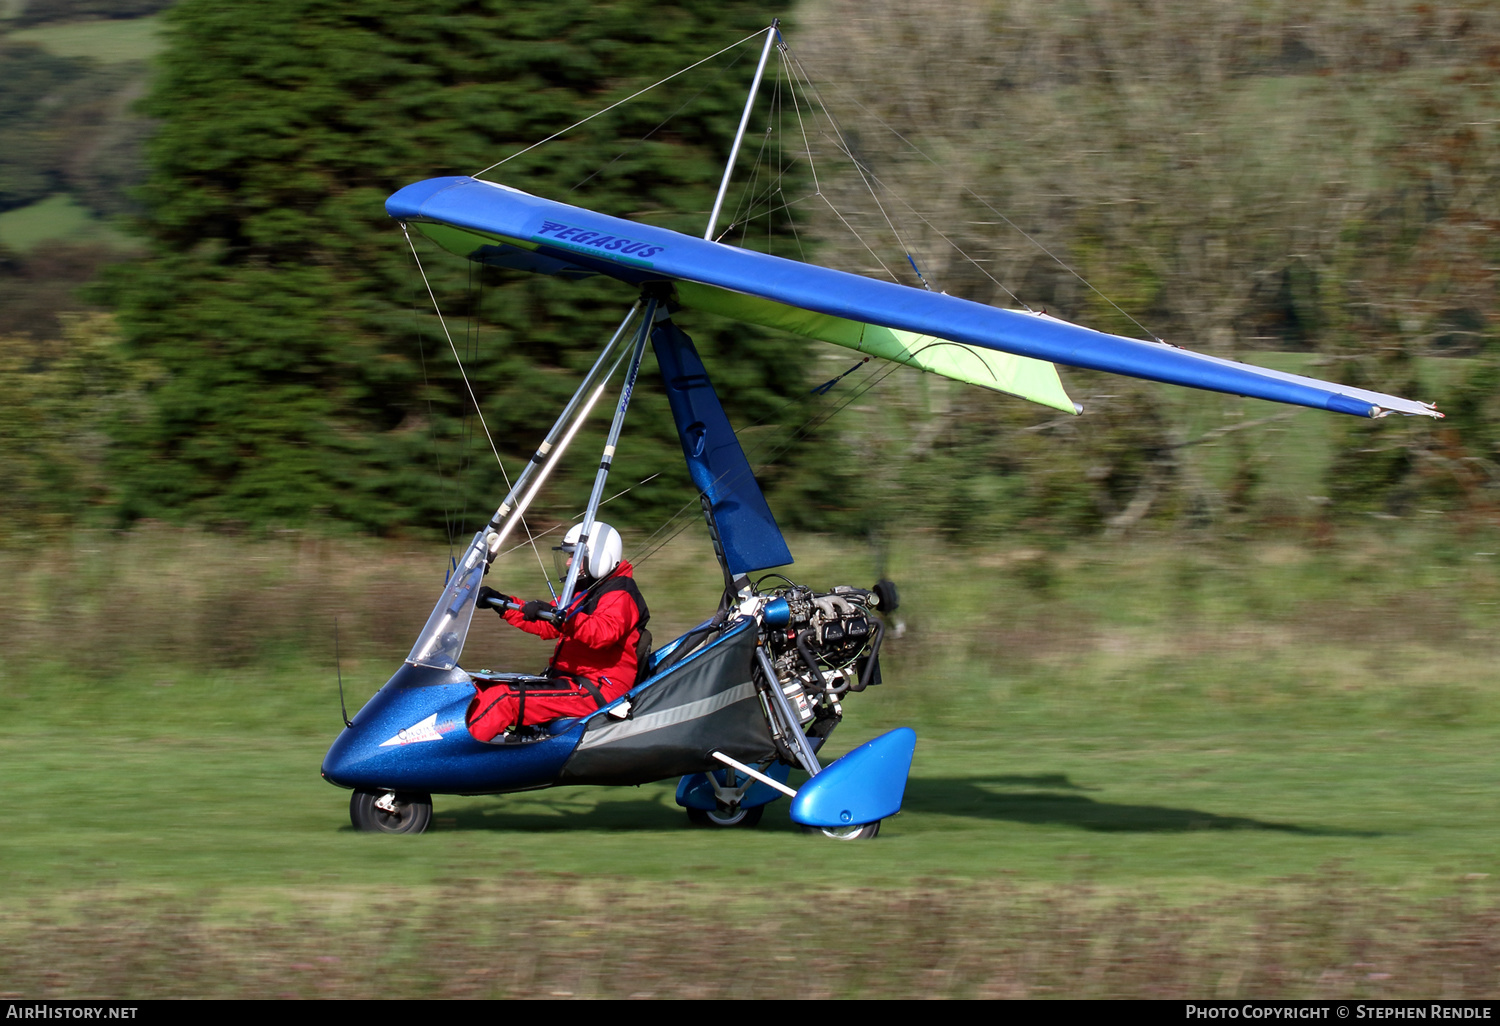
[581,556]
[739,136]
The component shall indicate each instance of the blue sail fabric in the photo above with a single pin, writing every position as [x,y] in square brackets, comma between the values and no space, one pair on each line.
[716,463]
[497,224]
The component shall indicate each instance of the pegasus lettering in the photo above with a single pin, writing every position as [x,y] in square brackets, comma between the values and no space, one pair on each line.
[557,231]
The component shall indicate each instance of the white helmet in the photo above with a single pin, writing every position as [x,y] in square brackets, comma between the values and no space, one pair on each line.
[604,547]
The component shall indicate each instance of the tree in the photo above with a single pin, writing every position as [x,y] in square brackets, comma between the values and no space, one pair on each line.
[1236,177]
[302,375]
[61,396]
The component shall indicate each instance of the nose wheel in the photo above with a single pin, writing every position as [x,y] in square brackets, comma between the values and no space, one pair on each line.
[387,812]
[849,833]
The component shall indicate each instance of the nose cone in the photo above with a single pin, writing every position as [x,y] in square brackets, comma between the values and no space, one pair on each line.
[340,765]
[411,737]
[405,721]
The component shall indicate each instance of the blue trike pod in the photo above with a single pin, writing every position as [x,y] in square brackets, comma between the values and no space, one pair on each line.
[864,786]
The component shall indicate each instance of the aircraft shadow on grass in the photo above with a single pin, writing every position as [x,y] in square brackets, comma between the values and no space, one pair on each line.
[608,813]
[1054,799]
[1043,799]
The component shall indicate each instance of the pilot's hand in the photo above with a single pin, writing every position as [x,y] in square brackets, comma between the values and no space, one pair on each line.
[486,593]
[536,608]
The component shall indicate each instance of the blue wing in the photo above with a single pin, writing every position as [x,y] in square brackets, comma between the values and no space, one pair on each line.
[506,227]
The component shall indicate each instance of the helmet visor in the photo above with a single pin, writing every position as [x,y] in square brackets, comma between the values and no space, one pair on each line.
[562,558]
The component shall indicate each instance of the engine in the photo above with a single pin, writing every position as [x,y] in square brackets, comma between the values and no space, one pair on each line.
[823,645]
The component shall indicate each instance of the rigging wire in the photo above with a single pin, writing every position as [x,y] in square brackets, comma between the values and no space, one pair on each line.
[818,419]
[641,141]
[868,176]
[786,206]
[745,211]
[748,193]
[466,428]
[437,456]
[754,35]
[559,525]
[987,205]
[752,196]
[807,147]
[956,248]
[870,179]
[749,201]
[464,374]
[774,191]
[471,352]
[456,358]
[773,196]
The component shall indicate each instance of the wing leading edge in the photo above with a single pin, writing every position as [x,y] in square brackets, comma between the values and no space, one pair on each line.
[506,227]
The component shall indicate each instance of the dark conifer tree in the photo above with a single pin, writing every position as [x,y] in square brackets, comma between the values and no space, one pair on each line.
[301,373]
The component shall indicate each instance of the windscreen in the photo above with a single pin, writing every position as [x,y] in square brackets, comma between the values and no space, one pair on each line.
[442,640]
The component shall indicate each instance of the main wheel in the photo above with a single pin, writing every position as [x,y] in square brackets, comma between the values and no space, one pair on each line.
[864,832]
[386,813]
[741,817]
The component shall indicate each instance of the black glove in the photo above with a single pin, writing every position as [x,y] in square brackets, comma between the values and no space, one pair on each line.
[486,593]
[534,609]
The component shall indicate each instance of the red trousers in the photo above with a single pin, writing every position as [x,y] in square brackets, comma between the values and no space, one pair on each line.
[497,706]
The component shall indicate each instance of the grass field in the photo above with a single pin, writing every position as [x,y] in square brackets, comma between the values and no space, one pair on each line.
[1160,768]
[58,217]
[109,40]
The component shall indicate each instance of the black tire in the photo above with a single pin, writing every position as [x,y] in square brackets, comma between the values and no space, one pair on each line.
[864,832]
[740,817]
[413,813]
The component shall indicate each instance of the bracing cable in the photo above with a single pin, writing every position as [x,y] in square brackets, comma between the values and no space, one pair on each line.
[641,92]
[817,420]
[664,121]
[479,413]
[437,456]
[987,205]
[764,197]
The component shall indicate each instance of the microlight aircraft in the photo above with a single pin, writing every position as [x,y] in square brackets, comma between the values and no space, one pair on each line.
[739,701]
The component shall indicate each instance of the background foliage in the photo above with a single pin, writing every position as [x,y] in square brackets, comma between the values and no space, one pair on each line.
[304,375]
[1139,756]
[1314,189]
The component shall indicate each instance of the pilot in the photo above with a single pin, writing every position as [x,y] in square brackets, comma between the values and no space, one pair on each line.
[598,638]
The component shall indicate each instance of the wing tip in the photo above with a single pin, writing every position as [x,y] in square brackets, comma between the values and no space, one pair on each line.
[1425,410]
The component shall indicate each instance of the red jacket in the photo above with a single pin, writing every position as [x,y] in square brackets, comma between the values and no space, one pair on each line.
[599,645]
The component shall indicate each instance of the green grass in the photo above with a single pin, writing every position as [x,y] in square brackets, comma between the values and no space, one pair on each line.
[1186,810]
[57,218]
[133,39]
[1222,732]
